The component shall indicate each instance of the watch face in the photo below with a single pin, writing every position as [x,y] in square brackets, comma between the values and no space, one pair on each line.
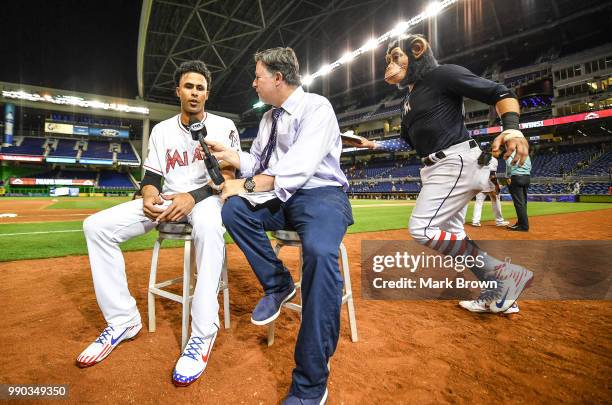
[249,184]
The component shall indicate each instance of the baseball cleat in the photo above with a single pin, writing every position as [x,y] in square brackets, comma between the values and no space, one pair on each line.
[105,343]
[193,361]
[503,223]
[481,306]
[476,224]
[514,279]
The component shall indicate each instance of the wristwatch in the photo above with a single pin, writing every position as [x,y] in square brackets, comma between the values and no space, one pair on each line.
[249,185]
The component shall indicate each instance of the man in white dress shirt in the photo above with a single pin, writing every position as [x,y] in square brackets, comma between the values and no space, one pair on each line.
[292,180]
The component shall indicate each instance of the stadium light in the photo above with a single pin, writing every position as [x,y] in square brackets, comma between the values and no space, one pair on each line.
[325,69]
[347,57]
[372,43]
[259,104]
[307,80]
[434,8]
[74,101]
[400,28]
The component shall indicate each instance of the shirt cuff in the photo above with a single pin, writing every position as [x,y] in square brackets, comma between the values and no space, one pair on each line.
[247,164]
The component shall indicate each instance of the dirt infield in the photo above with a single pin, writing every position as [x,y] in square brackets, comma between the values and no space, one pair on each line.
[34,211]
[408,351]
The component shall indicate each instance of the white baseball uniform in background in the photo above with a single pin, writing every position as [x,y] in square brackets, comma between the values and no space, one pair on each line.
[495,200]
[175,156]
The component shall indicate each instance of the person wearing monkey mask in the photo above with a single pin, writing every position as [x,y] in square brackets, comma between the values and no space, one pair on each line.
[432,124]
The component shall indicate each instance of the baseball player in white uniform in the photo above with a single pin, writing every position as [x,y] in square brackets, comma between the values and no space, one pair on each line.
[432,124]
[493,195]
[174,157]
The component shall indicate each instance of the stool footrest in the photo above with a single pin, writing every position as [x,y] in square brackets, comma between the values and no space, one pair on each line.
[168,282]
[168,295]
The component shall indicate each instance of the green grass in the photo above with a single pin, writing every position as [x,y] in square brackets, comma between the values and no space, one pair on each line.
[58,244]
[369,215]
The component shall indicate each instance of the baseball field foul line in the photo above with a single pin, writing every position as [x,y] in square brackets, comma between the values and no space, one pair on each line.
[35,233]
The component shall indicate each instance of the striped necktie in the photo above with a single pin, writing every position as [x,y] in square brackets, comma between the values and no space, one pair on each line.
[267,152]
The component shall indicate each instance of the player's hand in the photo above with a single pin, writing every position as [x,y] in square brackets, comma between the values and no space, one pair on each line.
[361,143]
[151,206]
[182,204]
[231,188]
[520,145]
[222,153]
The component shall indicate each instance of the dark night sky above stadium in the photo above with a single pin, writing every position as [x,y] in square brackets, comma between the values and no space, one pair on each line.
[87,46]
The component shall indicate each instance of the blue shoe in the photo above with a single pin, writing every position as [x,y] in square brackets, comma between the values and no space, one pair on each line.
[293,400]
[268,308]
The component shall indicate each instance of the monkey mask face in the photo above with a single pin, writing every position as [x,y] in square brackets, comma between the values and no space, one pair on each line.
[408,58]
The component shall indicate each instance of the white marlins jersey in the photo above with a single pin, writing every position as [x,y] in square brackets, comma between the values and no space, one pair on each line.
[176,157]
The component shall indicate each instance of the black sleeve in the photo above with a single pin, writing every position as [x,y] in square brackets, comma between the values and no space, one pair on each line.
[201,193]
[460,81]
[151,179]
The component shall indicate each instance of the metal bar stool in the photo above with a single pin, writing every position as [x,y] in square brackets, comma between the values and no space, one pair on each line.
[181,231]
[291,238]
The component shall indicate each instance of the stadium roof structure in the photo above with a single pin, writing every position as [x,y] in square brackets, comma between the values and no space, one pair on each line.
[225,34]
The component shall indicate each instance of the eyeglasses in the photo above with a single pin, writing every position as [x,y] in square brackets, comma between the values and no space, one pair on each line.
[261,77]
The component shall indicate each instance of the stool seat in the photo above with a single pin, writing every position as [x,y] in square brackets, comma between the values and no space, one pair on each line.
[288,236]
[291,238]
[175,228]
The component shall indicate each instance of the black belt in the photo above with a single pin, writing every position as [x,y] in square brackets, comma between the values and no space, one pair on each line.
[427,161]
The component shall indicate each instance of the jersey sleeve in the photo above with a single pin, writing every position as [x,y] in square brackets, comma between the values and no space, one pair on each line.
[154,159]
[233,137]
[460,81]
[394,145]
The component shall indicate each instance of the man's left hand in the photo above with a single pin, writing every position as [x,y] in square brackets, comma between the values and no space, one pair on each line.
[231,188]
[520,145]
[182,204]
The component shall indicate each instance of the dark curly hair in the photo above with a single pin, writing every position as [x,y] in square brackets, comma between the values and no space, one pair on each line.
[196,66]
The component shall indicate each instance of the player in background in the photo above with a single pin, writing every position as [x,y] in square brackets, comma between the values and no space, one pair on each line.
[174,159]
[493,195]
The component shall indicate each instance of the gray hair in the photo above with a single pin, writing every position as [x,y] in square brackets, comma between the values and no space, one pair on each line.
[282,60]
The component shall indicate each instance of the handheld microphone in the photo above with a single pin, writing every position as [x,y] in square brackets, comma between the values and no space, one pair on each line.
[198,133]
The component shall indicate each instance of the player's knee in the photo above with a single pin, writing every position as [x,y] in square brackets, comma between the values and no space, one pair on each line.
[417,231]
[208,225]
[92,225]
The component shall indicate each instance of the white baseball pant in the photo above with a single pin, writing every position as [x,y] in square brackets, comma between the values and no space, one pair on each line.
[437,219]
[495,205]
[105,230]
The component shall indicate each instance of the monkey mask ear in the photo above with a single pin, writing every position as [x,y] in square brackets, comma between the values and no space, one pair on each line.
[418,47]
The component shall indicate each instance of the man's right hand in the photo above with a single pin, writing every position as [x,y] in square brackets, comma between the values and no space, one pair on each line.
[223,153]
[361,143]
[151,206]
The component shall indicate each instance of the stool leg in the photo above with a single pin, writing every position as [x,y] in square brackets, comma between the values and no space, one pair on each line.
[300,266]
[270,334]
[186,291]
[152,281]
[226,308]
[277,249]
[349,293]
